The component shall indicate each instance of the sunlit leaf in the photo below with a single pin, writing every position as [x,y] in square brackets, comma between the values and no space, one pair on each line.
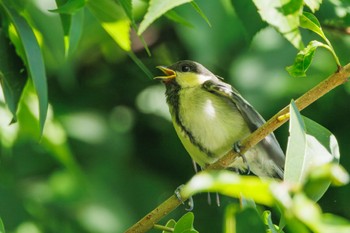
[114,21]
[294,168]
[303,59]
[33,59]
[185,224]
[156,9]
[311,215]
[309,21]
[2,228]
[284,16]
[230,220]
[249,16]
[319,180]
[268,222]
[314,5]
[12,74]
[230,184]
[311,148]
[68,7]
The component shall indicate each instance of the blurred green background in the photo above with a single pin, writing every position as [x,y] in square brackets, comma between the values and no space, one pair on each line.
[109,154]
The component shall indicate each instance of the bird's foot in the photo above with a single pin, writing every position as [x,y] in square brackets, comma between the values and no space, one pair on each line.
[237,148]
[190,199]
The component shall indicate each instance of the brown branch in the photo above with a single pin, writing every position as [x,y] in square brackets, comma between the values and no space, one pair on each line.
[336,79]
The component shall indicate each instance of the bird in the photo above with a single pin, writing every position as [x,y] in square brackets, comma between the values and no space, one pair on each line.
[210,118]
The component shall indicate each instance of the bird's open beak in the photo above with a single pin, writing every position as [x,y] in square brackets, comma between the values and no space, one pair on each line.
[169,74]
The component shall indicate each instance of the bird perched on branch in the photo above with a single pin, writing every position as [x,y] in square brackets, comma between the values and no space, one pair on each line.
[210,117]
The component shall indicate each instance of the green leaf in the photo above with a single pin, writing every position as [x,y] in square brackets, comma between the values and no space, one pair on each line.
[200,12]
[12,74]
[321,177]
[303,59]
[68,7]
[72,24]
[172,15]
[170,224]
[311,151]
[113,20]
[2,228]
[294,168]
[127,6]
[230,184]
[284,16]
[230,220]
[248,220]
[156,9]
[185,224]
[33,58]
[314,5]
[249,17]
[268,222]
[309,21]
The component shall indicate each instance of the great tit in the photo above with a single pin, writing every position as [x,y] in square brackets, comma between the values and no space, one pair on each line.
[210,116]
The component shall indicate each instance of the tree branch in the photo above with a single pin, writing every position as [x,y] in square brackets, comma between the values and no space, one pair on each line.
[336,79]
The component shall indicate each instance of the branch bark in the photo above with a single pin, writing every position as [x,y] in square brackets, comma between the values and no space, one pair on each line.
[333,81]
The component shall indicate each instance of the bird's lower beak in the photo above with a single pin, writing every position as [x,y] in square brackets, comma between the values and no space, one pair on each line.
[169,74]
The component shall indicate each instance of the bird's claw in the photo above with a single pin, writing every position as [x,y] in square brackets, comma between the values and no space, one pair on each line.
[237,148]
[190,199]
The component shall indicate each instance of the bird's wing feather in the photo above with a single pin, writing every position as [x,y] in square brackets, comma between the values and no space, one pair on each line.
[252,117]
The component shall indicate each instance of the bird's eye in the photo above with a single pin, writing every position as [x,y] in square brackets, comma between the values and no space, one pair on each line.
[185,68]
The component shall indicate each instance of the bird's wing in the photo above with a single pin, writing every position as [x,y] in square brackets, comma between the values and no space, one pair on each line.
[251,116]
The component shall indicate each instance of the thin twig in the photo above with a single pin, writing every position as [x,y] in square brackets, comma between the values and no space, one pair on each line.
[336,79]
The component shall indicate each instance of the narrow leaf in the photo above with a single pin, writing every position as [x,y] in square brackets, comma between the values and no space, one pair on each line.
[284,16]
[113,20]
[72,24]
[230,184]
[296,149]
[12,74]
[127,6]
[303,59]
[156,9]
[33,59]
[2,228]
[200,12]
[172,15]
[68,7]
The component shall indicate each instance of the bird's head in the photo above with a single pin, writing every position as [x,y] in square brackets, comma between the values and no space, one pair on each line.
[185,73]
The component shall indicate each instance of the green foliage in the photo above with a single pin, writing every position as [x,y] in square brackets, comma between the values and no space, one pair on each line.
[12,74]
[156,9]
[106,130]
[2,228]
[28,48]
[183,225]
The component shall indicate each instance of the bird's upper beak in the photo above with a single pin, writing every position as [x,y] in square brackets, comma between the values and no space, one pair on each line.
[169,74]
